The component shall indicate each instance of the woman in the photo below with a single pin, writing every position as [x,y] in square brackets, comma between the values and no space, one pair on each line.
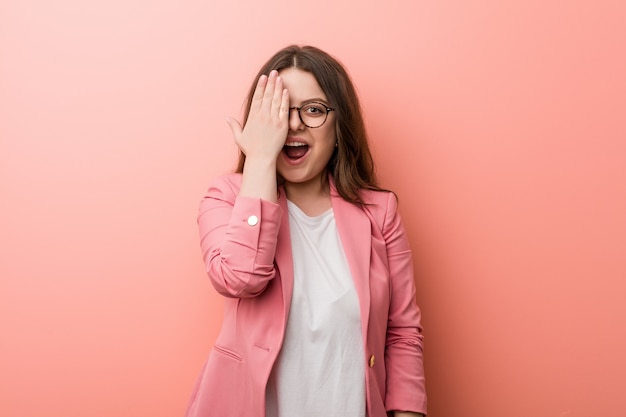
[320,316]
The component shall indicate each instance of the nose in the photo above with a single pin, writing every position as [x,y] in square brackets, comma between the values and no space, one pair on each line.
[294,120]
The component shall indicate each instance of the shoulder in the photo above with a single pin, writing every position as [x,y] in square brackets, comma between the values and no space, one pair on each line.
[379,199]
[228,184]
[380,206]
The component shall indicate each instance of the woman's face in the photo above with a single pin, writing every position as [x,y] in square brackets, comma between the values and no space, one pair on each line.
[307,150]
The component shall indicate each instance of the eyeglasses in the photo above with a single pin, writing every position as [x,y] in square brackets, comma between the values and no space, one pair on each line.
[313,114]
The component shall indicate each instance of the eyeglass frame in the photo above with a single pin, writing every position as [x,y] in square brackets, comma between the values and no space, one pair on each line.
[328,110]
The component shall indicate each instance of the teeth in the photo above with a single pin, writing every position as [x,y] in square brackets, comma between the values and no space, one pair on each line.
[295,144]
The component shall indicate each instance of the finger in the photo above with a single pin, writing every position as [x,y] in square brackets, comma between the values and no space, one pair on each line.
[277,97]
[269,88]
[284,105]
[235,127]
[257,97]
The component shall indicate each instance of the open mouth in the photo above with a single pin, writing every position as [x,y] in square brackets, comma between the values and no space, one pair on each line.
[295,150]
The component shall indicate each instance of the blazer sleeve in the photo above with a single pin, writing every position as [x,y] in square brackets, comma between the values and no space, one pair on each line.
[238,239]
[406,390]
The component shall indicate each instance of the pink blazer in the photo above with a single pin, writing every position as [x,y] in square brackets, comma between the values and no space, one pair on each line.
[247,251]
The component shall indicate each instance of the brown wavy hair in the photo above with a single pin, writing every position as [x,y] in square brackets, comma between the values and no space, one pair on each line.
[351,164]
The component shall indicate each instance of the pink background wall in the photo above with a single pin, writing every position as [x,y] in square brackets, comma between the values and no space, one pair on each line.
[500,126]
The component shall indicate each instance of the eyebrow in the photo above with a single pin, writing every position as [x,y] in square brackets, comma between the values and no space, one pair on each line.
[314,100]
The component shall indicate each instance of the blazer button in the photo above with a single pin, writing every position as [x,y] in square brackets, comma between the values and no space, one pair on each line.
[253,220]
[372,361]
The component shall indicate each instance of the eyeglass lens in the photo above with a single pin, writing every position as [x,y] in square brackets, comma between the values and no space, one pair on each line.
[313,114]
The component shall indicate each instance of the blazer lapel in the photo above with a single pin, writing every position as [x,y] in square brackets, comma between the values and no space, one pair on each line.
[354,229]
[283,256]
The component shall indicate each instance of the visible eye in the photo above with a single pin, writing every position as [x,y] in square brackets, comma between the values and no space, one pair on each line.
[314,109]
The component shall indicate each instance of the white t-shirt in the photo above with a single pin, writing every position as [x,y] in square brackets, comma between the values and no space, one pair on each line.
[320,370]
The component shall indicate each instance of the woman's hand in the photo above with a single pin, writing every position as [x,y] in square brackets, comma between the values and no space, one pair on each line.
[265,132]
[263,137]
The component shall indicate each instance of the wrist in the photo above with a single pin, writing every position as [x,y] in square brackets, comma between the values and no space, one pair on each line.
[259,179]
[259,162]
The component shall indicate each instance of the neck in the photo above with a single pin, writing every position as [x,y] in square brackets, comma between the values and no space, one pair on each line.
[312,197]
